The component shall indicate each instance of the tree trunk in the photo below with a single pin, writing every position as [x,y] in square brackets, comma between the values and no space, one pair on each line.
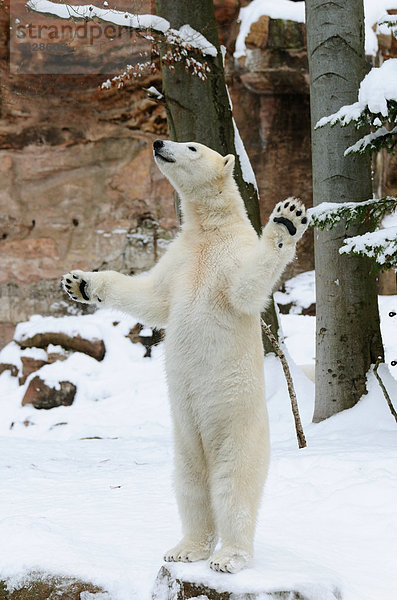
[200,111]
[348,337]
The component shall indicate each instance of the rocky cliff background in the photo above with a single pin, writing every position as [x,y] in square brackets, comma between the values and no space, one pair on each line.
[78,186]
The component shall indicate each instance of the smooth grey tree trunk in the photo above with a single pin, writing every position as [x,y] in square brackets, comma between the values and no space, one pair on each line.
[200,111]
[348,337]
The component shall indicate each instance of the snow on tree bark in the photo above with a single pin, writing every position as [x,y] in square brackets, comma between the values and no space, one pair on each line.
[348,334]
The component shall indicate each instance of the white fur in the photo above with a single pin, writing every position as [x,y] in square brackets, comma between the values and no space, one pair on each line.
[208,290]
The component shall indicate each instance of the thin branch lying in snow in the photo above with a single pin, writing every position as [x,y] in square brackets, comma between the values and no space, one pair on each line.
[384,390]
[291,390]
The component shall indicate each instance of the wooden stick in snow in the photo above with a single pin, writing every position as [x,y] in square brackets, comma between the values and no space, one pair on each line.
[384,390]
[291,390]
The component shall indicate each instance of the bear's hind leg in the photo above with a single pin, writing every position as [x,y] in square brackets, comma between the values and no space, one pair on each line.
[193,496]
[237,480]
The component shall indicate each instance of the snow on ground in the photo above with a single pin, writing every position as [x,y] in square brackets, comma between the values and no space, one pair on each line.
[104,509]
[300,291]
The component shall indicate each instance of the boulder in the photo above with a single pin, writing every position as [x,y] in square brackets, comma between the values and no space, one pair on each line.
[94,348]
[7,367]
[29,366]
[170,586]
[44,396]
[148,341]
[42,586]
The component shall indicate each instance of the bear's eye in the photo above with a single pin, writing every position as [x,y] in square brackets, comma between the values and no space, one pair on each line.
[192,148]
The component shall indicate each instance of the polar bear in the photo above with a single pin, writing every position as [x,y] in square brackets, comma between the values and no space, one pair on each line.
[208,291]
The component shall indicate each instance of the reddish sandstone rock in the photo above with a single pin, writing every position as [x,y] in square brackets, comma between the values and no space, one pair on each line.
[43,396]
[148,341]
[8,367]
[94,348]
[29,366]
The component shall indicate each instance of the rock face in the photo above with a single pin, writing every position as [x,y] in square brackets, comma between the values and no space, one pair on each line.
[43,396]
[78,186]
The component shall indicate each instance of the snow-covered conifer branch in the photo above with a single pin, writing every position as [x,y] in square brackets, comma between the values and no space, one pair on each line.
[380,245]
[381,138]
[376,106]
[370,212]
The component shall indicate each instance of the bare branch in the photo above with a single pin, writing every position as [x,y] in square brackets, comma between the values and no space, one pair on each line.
[291,390]
[384,390]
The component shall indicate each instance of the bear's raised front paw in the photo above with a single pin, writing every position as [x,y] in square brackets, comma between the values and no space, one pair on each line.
[291,213]
[189,551]
[229,560]
[76,285]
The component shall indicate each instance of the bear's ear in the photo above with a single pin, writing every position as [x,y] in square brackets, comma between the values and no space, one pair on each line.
[228,163]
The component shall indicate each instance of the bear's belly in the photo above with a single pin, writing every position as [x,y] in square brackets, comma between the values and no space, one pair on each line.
[213,356]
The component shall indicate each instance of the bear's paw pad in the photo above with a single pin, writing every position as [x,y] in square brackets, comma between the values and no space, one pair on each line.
[229,560]
[76,286]
[291,213]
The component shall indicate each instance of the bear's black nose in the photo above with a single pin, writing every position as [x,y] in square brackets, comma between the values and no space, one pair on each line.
[157,144]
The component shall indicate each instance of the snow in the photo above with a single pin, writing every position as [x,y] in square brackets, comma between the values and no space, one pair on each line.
[300,291]
[295,11]
[385,240]
[87,489]
[367,140]
[153,91]
[380,244]
[186,35]
[321,212]
[246,167]
[377,87]
[123,18]
[89,328]
[276,9]
[375,13]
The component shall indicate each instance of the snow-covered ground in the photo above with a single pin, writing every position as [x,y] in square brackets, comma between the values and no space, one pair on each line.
[87,490]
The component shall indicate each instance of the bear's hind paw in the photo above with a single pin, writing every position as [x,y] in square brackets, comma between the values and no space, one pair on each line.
[187,551]
[229,560]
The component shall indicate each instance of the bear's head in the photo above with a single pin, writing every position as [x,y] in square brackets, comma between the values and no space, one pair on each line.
[192,168]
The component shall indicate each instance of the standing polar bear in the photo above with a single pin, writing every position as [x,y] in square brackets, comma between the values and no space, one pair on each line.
[208,291]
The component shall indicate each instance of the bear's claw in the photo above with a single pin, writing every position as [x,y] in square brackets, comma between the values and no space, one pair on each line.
[189,551]
[228,560]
